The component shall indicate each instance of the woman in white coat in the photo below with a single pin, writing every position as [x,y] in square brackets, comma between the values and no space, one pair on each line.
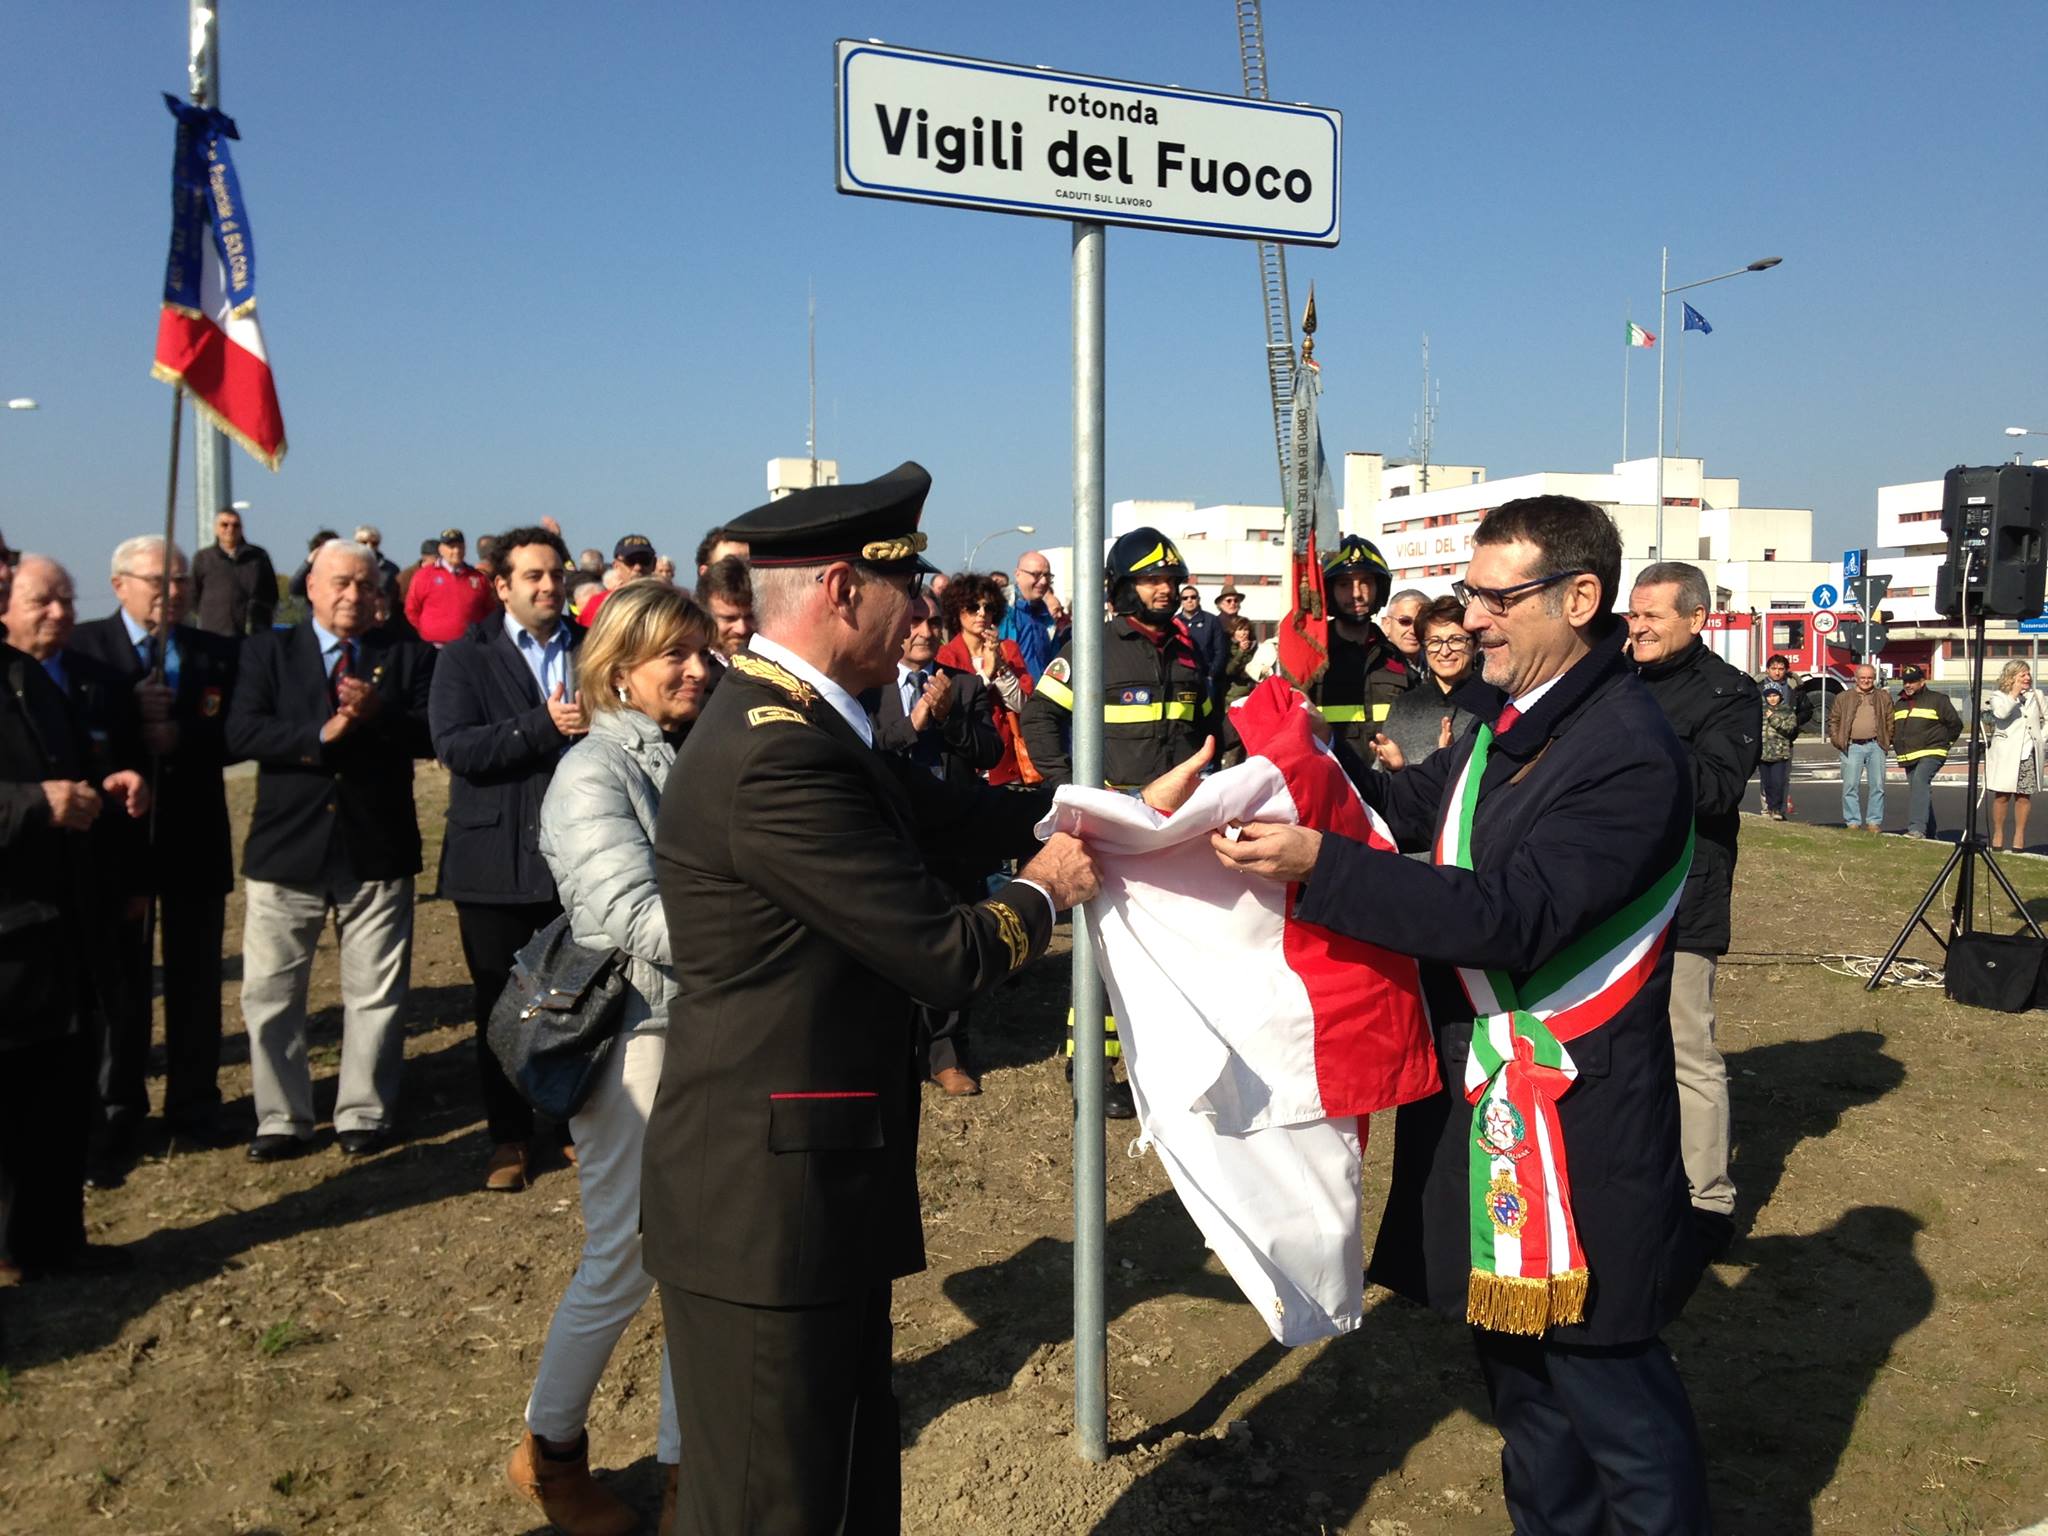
[2017,724]
[644,674]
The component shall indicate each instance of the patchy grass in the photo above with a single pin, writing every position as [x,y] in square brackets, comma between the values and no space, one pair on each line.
[279,1337]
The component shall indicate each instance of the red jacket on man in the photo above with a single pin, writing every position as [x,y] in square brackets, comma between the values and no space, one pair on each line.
[441,604]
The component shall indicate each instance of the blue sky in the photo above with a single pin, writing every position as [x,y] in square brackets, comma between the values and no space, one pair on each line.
[516,259]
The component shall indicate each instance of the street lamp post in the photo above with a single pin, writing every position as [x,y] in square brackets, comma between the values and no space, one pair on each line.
[2018,454]
[999,533]
[21,403]
[1664,292]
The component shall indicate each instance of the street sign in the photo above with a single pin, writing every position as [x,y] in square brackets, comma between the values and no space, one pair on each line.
[933,128]
[1852,564]
[2034,626]
[1824,621]
[1875,585]
[1825,596]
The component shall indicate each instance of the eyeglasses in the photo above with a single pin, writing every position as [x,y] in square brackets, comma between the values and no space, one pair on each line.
[1453,643]
[9,556]
[1498,600]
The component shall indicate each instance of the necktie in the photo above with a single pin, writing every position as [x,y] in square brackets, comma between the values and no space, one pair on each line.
[341,670]
[1507,718]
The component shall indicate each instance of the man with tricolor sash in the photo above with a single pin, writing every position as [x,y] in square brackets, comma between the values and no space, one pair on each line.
[1541,1195]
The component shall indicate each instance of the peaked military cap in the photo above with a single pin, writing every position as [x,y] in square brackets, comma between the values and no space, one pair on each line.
[871,521]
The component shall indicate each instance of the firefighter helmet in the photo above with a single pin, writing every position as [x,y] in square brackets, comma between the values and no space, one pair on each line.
[1355,556]
[1141,552]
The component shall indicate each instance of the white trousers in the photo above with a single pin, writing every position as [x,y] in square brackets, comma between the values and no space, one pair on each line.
[281,926]
[609,1286]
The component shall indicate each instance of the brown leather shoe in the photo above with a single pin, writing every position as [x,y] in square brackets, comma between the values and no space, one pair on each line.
[566,1492]
[669,1483]
[958,1084]
[505,1174]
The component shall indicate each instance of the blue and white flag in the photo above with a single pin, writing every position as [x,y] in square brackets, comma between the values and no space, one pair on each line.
[1695,321]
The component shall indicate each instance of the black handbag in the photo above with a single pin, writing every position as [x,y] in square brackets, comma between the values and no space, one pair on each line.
[554,1023]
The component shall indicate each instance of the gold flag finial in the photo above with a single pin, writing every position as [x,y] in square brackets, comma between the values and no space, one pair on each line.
[1308,326]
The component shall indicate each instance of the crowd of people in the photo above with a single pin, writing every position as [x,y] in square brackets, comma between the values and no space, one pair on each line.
[867,744]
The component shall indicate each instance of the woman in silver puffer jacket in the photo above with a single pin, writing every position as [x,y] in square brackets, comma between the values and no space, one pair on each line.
[643,675]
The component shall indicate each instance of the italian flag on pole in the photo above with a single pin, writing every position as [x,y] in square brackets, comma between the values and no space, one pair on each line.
[1638,337]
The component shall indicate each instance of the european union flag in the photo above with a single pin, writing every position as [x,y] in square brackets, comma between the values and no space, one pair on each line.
[1695,321]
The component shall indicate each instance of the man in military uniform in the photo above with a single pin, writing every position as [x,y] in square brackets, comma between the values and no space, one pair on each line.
[779,1198]
[1366,672]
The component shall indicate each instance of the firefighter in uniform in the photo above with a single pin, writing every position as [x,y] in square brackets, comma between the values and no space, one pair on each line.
[1155,705]
[1366,674]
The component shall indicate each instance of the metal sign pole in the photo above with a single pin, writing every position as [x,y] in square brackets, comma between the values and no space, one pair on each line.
[213,482]
[1091,1319]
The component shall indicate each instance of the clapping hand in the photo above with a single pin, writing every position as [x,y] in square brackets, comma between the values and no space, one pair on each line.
[568,714]
[1389,752]
[934,704]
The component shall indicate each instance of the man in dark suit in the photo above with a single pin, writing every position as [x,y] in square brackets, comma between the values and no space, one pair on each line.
[179,695]
[942,720]
[41,618]
[1562,836]
[780,1192]
[503,711]
[333,712]
[50,797]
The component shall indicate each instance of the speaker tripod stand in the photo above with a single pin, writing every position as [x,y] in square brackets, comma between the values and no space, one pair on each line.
[1969,849]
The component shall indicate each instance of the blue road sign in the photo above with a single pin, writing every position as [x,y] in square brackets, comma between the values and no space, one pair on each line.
[1852,564]
[2034,626]
[1825,596]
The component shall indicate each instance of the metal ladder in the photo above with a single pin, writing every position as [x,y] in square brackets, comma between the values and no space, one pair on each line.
[1251,48]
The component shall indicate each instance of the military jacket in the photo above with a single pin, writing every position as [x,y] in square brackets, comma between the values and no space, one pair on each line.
[1155,707]
[781,1153]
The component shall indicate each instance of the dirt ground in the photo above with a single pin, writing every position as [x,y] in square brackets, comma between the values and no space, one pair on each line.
[333,1346]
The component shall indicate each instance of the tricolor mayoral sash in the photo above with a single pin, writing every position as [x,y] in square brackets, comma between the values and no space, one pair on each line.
[1528,1271]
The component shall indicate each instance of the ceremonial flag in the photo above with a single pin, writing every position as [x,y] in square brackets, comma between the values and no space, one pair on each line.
[1695,321]
[1256,1043]
[1304,649]
[207,338]
[1638,337]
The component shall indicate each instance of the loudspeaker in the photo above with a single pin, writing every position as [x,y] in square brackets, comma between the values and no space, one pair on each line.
[1996,519]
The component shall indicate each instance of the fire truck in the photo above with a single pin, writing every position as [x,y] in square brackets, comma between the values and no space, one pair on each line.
[1747,640]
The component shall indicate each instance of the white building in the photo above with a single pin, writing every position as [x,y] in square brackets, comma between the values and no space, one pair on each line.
[1422,519]
[786,475]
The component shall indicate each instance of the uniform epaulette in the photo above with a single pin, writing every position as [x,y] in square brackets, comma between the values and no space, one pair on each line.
[766,713]
[766,671]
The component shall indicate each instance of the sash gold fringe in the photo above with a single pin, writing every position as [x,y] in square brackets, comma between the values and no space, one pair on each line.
[249,444]
[1515,1304]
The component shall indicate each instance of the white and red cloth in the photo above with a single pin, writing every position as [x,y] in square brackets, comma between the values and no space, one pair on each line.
[208,339]
[1254,1042]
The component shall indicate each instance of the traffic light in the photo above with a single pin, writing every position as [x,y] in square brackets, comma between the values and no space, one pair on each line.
[1864,636]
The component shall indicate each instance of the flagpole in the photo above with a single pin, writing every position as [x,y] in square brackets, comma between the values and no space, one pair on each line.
[163,627]
[212,477]
[1678,405]
[1663,346]
[1628,315]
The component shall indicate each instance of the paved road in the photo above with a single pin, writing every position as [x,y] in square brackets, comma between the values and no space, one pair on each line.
[1816,794]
